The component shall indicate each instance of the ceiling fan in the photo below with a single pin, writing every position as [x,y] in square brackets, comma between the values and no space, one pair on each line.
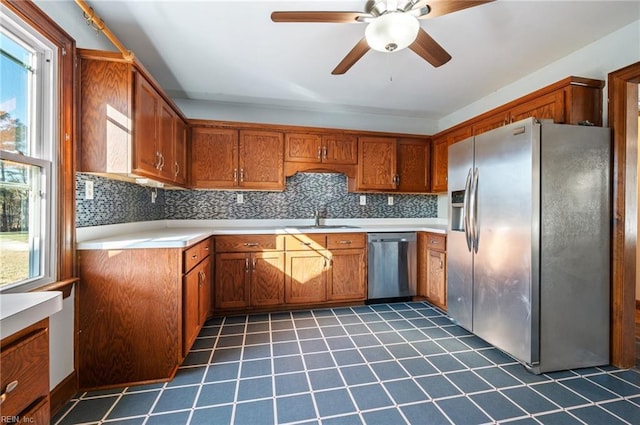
[392,25]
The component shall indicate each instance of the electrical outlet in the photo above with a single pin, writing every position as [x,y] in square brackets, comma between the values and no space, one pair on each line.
[154,195]
[390,200]
[240,198]
[88,189]
[363,199]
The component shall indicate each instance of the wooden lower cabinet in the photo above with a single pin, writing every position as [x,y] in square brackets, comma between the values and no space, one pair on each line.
[347,279]
[432,268]
[306,277]
[25,367]
[270,271]
[139,311]
[249,280]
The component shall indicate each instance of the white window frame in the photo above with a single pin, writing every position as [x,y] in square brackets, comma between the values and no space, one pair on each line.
[43,140]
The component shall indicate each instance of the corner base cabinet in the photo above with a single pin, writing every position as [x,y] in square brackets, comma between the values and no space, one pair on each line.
[139,312]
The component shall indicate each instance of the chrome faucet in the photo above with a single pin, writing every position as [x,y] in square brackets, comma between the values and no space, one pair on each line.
[316,217]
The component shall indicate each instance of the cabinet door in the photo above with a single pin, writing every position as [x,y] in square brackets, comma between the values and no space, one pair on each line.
[204,291]
[146,156]
[339,149]
[436,278]
[490,122]
[423,260]
[166,141]
[232,281]
[414,167]
[190,305]
[299,147]
[261,160]
[305,277]
[180,152]
[346,275]
[440,156]
[550,106]
[267,278]
[376,163]
[214,158]
[439,164]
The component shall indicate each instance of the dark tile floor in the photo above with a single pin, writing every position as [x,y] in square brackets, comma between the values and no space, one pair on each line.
[387,364]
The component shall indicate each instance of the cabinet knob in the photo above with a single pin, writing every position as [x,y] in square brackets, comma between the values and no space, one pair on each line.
[194,256]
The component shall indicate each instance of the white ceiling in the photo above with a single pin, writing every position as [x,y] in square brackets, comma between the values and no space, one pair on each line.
[231,51]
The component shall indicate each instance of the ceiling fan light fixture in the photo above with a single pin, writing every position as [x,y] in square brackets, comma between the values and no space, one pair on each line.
[392,31]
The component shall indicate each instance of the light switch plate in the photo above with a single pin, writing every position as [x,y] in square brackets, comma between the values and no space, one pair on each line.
[390,200]
[363,199]
[240,198]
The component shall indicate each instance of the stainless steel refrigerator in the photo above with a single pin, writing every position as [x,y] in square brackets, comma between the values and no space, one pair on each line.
[528,244]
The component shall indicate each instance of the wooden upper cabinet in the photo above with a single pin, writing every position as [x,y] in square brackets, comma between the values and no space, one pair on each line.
[550,106]
[339,149]
[440,156]
[376,163]
[414,165]
[127,123]
[300,147]
[227,158]
[214,158]
[261,160]
[146,154]
[180,151]
[491,122]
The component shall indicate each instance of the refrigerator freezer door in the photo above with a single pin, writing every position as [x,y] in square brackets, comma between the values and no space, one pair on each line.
[459,257]
[506,189]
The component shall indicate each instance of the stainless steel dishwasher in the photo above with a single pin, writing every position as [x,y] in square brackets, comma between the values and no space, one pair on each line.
[392,265]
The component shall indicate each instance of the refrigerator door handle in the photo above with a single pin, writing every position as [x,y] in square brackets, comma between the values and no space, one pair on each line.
[465,210]
[474,210]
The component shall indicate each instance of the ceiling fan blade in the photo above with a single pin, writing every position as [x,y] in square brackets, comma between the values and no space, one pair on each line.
[428,49]
[443,7]
[336,17]
[352,57]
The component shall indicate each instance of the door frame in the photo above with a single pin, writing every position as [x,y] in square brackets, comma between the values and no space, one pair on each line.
[623,120]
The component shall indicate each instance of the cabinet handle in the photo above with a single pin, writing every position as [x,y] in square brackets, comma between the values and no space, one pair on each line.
[194,256]
[251,244]
[10,387]
[241,175]
[253,264]
[156,163]
[324,152]
[235,174]
[206,248]
[319,153]
[246,265]
[441,263]
[344,242]
[161,163]
[177,168]
[435,241]
[305,243]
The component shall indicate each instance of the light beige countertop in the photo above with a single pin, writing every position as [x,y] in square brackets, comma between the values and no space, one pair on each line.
[21,310]
[183,233]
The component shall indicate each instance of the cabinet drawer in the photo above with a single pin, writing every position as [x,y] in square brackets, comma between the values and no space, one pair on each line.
[345,240]
[196,253]
[306,242]
[25,363]
[249,243]
[436,241]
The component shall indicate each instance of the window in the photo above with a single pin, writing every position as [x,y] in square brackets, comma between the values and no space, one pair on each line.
[27,155]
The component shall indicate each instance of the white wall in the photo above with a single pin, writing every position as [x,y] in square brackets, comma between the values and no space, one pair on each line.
[596,60]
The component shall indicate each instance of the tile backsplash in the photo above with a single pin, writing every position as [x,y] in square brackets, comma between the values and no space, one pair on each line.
[121,202]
